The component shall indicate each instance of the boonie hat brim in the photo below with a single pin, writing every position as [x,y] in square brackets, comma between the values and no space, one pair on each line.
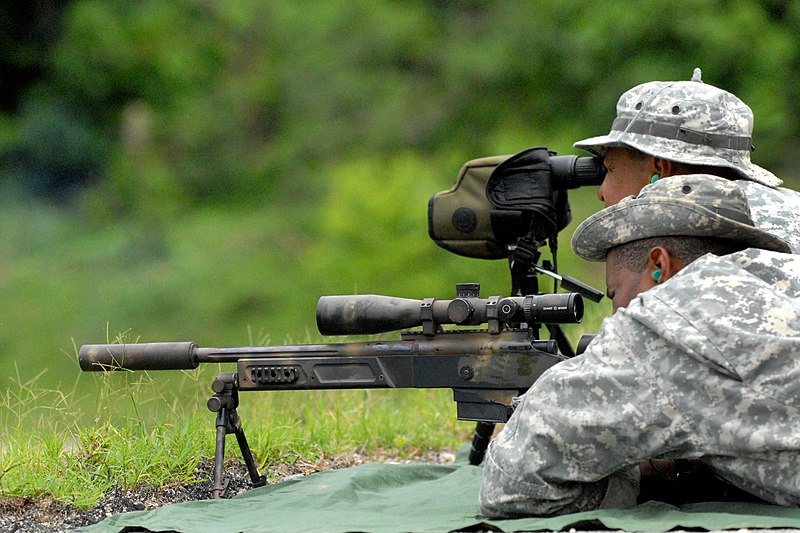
[667,208]
[673,151]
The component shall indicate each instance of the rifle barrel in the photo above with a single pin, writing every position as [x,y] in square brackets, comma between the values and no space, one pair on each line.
[183,355]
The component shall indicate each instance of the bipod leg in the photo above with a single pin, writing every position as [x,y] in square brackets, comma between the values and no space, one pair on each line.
[255,478]
[224,402]
[220,487]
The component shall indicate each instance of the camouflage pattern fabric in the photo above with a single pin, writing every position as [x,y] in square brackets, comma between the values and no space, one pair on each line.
[705,366]
[697,205]
[685,121]
[775,210]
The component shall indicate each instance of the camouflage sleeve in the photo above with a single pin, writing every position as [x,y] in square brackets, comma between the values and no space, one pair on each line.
[776,211]
[575,441]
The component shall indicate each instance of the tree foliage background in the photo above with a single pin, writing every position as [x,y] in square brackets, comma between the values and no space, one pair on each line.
[206,170]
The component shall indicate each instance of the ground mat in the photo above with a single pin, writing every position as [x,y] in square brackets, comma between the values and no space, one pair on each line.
[393,498]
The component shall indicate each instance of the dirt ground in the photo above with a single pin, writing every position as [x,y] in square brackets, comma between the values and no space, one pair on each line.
[43,515]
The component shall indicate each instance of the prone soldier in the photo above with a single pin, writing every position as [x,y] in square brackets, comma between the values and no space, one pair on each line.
[697,365]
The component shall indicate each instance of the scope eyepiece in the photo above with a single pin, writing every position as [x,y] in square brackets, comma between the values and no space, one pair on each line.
[542,308]
[553,308]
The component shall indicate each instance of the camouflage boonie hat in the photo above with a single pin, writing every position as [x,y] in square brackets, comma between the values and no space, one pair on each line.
[688,122]
[692,205]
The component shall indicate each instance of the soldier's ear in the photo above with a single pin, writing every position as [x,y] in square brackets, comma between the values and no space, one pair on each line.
[663,167]
[661,264]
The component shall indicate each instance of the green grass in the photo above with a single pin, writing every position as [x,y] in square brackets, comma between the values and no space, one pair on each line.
[128,442]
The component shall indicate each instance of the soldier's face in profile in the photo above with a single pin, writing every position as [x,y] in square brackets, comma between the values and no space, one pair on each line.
[622,283]
[626,173]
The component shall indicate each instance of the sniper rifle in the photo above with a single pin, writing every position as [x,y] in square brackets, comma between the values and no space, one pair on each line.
[484,368]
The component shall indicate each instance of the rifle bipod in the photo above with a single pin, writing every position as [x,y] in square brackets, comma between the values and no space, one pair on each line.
[224,402]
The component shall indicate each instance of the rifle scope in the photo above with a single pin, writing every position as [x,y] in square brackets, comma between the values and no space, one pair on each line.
[369,313]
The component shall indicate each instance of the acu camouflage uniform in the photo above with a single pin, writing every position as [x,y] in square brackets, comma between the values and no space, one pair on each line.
[692,122]
[705,365]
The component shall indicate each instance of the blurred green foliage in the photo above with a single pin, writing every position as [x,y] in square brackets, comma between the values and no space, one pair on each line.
[206,170]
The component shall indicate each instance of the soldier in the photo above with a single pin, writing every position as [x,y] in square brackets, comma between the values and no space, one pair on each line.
[699,362]
[664,129]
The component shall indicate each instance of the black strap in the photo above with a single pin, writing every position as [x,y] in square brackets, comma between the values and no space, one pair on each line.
[732,214]
[680,133]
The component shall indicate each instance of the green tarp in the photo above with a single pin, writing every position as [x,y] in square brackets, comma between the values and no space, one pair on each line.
[388,498]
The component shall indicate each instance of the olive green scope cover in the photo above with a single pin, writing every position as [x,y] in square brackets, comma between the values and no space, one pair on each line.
[459,219]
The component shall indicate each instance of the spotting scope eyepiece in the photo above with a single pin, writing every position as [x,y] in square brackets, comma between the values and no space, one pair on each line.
[572,171]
